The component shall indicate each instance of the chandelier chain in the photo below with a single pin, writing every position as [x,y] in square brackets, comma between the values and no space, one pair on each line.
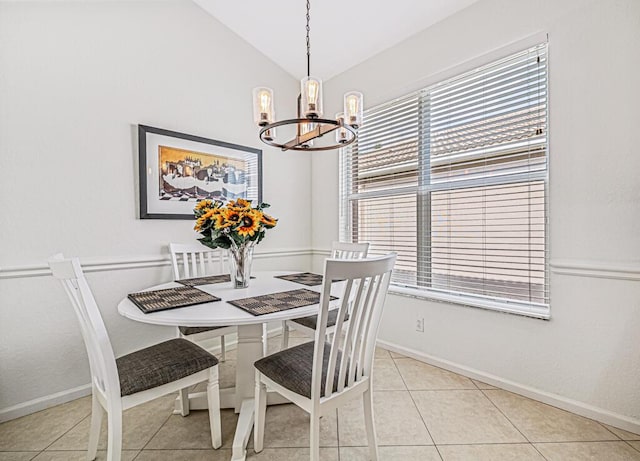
[308,40]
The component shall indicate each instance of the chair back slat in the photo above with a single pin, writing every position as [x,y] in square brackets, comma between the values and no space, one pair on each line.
[337,338]
[102,361]
[363,308]
[345,250]
[195,260]
[350,356]
[368,325]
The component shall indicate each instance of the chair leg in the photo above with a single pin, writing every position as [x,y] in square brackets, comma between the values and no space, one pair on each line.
[183,396]
[285,335]
[223,350]
[367,400]
[96,423]
[265,339]
[260,414]
[213,399]
[114,434]
[314,437]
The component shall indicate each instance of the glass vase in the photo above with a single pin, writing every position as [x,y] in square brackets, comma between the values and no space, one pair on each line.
[240,258]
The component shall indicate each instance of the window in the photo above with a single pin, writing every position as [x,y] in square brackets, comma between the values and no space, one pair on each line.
[453,178]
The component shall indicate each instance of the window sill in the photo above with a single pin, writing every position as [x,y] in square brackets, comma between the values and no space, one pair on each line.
[469,301]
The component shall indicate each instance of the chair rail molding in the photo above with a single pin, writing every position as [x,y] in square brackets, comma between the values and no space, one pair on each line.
[596,269]
[129,262]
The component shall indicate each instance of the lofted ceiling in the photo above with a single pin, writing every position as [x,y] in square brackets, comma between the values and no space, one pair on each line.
[343,32]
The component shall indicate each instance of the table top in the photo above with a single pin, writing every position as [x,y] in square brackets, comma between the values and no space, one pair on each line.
[221,313]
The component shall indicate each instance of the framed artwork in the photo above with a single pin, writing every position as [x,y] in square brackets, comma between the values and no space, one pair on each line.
[177,170]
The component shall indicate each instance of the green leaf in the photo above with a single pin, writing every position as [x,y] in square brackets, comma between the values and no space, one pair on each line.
[222,242]
[206,241]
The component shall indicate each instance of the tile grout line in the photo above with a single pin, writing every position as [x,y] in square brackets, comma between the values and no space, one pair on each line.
[582,441]
[416,406]
[156,433]
[417,409]
[607,429]
[501,443]
[425,425]
[617,438]
[414,403]
[65,432]
[627,442]
[337,433]
[512,423]
[406,388]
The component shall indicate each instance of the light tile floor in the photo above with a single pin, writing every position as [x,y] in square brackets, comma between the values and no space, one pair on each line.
[423,413]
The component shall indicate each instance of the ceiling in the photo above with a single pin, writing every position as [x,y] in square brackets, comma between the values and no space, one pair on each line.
[343,32]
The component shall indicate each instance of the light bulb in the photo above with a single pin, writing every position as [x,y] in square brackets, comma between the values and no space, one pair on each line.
[352,105]
[311,93]
[353,108]
[263,106]
[312,90]
[265,102]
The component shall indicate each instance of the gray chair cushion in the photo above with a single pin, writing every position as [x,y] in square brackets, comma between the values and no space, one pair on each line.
[195,330]
[312,320]
[161,364]
[291,368]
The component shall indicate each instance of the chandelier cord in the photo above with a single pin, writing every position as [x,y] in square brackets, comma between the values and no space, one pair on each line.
[308,40]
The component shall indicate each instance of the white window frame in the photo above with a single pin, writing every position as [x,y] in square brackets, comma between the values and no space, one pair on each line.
[510,306]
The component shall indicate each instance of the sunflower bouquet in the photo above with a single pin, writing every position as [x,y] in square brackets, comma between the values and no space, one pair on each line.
[232,225]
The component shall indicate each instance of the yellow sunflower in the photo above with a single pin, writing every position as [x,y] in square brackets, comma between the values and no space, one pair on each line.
[249,223]
[220,221]
[199,223]
[202,204]
[268,221]
[242,203]
[209,214]
[226,218]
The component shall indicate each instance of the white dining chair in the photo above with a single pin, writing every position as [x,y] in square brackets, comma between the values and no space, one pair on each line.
[307,325]
[321,376]
[194,260]
[124,382]
[190,260]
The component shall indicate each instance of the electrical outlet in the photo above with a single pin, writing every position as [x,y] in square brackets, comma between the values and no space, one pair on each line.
[420,324]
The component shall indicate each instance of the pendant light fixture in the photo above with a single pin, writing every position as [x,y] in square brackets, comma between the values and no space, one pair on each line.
[309,124]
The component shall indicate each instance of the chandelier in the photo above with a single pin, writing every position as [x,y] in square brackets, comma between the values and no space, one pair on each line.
[309,124]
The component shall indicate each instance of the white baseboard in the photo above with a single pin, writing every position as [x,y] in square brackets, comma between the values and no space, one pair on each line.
[574,406]
[42,403]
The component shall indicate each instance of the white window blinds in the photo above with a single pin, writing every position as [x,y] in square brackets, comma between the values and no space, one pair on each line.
[453,178]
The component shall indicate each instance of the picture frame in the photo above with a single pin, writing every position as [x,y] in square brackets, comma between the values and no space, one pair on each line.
[176,170]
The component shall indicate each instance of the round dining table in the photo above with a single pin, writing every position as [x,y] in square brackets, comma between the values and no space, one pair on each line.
[249,345]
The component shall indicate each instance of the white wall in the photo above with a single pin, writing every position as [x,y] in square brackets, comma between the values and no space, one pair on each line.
[75,80]
[587,355]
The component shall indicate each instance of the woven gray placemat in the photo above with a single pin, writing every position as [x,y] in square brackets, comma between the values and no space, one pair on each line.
[277,302]
[195,281]
[170,298]
[305,278]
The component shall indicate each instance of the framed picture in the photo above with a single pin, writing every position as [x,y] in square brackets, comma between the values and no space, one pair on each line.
[177,170]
